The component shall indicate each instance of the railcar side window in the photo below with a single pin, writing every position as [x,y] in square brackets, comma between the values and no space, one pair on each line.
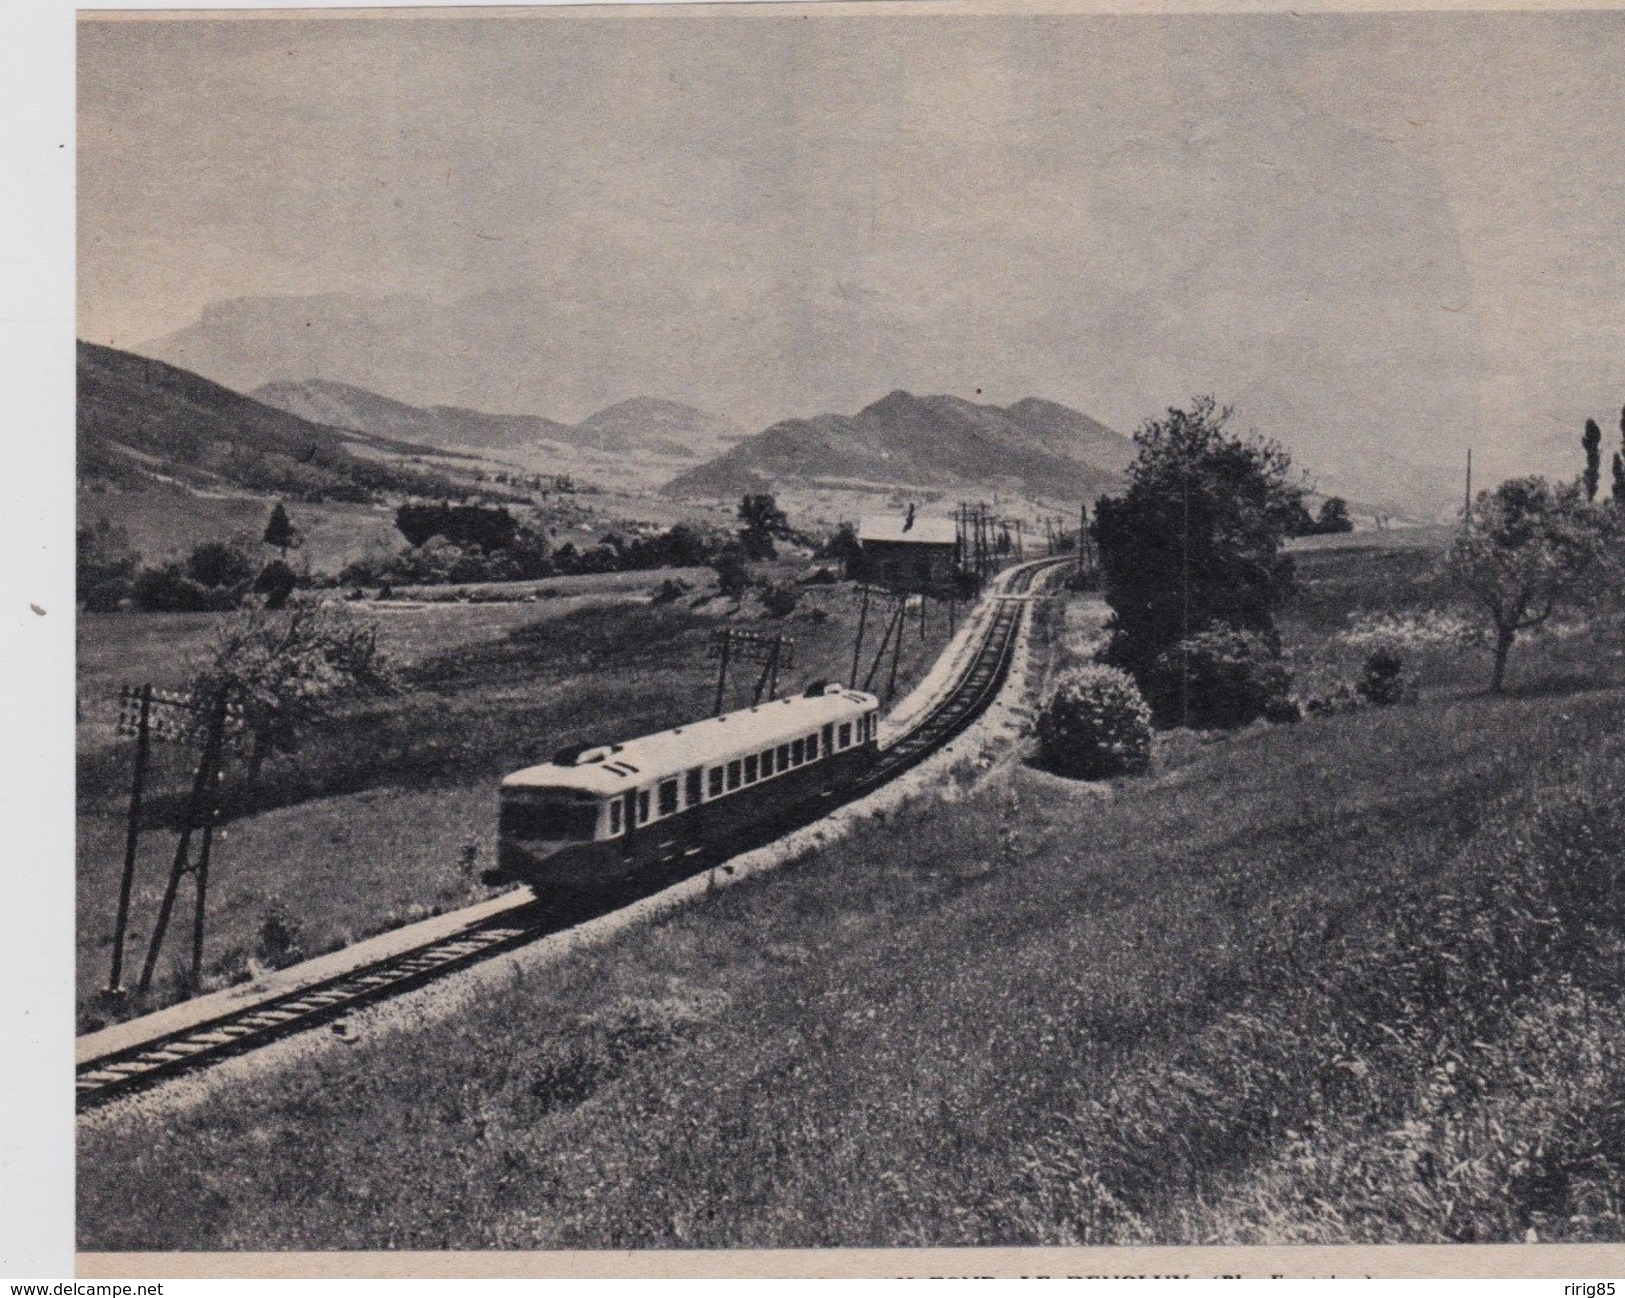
[643,806]
[750,769]
[691,787]
[733,775]
[614,817]
[713,782]
[668,797]
[846,735]
[812,748]
[784,757]
[798,752]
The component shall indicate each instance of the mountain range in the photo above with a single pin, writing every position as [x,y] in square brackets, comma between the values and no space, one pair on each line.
[1040,448]
[641,425]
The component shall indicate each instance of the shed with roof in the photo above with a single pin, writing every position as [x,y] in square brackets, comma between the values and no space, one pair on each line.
[908,552]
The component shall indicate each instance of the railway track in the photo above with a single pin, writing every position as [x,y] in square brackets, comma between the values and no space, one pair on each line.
[122,1072]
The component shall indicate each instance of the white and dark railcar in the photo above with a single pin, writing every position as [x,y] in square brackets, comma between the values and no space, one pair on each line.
[597,814]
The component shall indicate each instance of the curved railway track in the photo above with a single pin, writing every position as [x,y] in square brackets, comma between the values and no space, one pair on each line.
[105,1078]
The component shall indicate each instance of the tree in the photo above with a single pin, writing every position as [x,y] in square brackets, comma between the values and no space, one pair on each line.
[1526,549]
[1334,516]
[1619,466]
[1591,442]
[763,520]
[277,582]
[288,670]
[104,566]
[844,545]
[279,531]
[732,575]
[1195,542]
[219,564]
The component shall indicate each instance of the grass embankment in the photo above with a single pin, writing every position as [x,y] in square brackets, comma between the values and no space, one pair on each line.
[1356,979]
[368,826]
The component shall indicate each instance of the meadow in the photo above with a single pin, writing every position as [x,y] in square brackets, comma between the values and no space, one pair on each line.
[387,814]
[1356,979]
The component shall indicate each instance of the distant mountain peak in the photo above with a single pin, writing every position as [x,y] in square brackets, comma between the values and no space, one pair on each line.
[1043,448]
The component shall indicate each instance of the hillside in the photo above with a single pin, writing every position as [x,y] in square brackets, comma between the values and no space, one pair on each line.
[141,420]
[1037,447]
[664,427]
[642,425]
[344,405]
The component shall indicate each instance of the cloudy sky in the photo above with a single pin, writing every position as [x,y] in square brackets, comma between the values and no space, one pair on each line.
[1384,237]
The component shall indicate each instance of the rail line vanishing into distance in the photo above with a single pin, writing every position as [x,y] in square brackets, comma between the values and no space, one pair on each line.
[121,1072]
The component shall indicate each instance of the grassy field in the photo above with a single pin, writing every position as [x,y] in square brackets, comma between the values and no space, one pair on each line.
[1356,979]
[368,824]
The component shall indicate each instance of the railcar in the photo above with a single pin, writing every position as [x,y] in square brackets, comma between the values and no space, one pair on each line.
[597,814]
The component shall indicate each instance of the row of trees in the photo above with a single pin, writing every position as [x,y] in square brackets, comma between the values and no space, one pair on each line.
[1193,567]
[215,575]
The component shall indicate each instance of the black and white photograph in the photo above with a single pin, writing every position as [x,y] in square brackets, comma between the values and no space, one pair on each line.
[861,628]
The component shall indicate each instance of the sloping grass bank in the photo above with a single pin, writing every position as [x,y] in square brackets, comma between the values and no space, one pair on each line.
[1354,979]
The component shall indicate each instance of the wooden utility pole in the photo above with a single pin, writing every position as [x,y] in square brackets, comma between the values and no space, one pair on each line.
[894,624]
[141,701]
[726,638]
[857,644]
[200,813]
[1467,507]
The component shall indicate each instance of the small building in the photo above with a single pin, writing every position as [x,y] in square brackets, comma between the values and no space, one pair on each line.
[905,552]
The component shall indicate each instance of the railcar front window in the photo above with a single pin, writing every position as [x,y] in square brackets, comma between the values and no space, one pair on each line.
[643,806]
[549,819]
[846,735]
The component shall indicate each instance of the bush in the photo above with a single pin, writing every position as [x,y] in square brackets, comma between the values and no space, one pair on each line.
[779,601]
[1219,679]
[168,589]
[277,581]
[732,575]
[669,590]
[1095,724]
[218,564]
[105,566]
[1382,680]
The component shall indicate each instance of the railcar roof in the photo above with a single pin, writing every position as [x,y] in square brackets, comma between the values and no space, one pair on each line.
[637,762]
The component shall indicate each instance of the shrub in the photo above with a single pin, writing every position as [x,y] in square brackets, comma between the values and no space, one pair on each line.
[219,563]
[1382,680]
[1094,724]
[105,566]
[281,937]
[168,589]
[1219,679]
[732,575]
[779,601]
[276,582]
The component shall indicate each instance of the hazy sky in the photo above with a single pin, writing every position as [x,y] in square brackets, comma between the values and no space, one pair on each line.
[1376,234]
